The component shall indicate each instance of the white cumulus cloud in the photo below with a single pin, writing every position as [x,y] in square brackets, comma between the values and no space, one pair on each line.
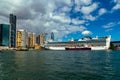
[77,22]
[89,9]
[46,16]
[117,6]
[83,2]
[86,32]
[109,25]
[89,17]
[102,11]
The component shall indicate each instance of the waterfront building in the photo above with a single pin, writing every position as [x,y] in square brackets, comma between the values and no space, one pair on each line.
[19,39]
[31,40]
[40,39]
[4,35]
[12,20]
[116,43]
[22,39]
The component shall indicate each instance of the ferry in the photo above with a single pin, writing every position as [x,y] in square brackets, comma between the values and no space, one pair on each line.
[86,43]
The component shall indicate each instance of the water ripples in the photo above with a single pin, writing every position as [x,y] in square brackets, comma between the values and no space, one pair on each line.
[60,65]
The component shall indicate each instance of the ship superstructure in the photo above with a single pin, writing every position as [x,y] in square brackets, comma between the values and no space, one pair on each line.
[86,43]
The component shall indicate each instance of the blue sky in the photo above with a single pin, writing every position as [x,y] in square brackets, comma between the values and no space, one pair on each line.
[65,18]
[108,23]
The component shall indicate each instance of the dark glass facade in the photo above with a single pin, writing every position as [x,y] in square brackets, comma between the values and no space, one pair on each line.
[4,35]
[52,36]
[13,30]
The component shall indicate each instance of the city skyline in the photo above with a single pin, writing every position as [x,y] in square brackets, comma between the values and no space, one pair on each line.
[65,18]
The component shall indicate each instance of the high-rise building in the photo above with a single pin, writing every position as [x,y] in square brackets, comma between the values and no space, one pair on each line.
[12,20]
[19,39]
[22,39]
[4,35]
[31,40]
[52,36]
[40,39]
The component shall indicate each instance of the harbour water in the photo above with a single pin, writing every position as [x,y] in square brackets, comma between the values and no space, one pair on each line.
[60,65]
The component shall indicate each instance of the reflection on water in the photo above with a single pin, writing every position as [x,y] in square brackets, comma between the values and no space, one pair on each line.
[60,65]
[7,64]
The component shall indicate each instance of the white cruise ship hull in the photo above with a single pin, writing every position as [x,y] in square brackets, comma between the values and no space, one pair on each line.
[55,48]
[99,48]
[63,48]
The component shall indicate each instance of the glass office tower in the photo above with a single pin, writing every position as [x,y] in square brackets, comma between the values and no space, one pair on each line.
[52,36]
[4,35]
[13,30]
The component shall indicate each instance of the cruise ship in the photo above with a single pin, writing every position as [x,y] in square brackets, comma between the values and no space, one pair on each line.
[86,43]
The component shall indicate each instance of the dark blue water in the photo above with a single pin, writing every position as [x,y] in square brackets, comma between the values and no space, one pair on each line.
[60,65]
